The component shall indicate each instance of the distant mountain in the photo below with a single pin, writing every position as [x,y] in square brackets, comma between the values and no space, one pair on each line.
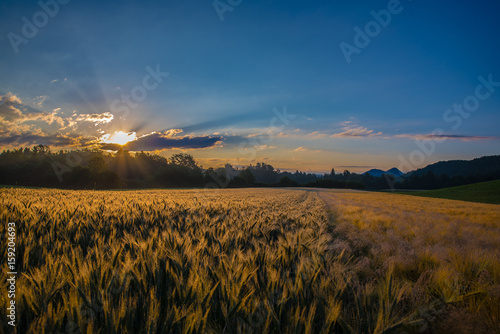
[394,171]
[489,165]
[378,172]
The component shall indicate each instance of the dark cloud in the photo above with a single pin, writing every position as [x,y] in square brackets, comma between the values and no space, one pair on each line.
[446,136]
[52,140]
[157,141]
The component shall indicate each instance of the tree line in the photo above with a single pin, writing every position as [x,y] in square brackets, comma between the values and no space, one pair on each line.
[95,169]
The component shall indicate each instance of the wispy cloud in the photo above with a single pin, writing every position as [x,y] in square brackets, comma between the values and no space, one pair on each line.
[356,132]
[97,119]
[317,134]
[305,149]
[445,137]
[39,100]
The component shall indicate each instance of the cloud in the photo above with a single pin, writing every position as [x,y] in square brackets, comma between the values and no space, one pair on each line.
[10,98]
[171,133]
[39,100]
[40,138]
[264,147]
[159,141]
[353,130]
[316,134]
[97,119]
[305,149]
[9,108]
[19,126]
[356,132]
[13,113]
[443,137]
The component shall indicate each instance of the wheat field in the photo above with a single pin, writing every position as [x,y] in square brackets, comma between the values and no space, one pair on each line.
[250,261]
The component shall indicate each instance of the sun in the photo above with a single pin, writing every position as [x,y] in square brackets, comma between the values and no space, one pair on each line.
[119,137]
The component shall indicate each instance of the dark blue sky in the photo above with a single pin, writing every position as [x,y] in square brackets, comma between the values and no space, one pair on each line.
[225,77]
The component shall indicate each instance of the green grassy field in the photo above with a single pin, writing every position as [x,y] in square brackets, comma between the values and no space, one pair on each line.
[484,192]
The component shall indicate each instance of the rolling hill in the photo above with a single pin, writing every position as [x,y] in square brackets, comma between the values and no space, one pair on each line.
[483,192]
[489,165]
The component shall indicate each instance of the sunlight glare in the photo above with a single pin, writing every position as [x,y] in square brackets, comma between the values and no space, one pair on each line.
[119,137]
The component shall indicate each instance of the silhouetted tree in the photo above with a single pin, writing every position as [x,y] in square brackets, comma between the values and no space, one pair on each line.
[285,181]
[183,160]
[97,164]
[247,176]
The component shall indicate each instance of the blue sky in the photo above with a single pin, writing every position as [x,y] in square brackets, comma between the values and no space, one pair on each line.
[65,84]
